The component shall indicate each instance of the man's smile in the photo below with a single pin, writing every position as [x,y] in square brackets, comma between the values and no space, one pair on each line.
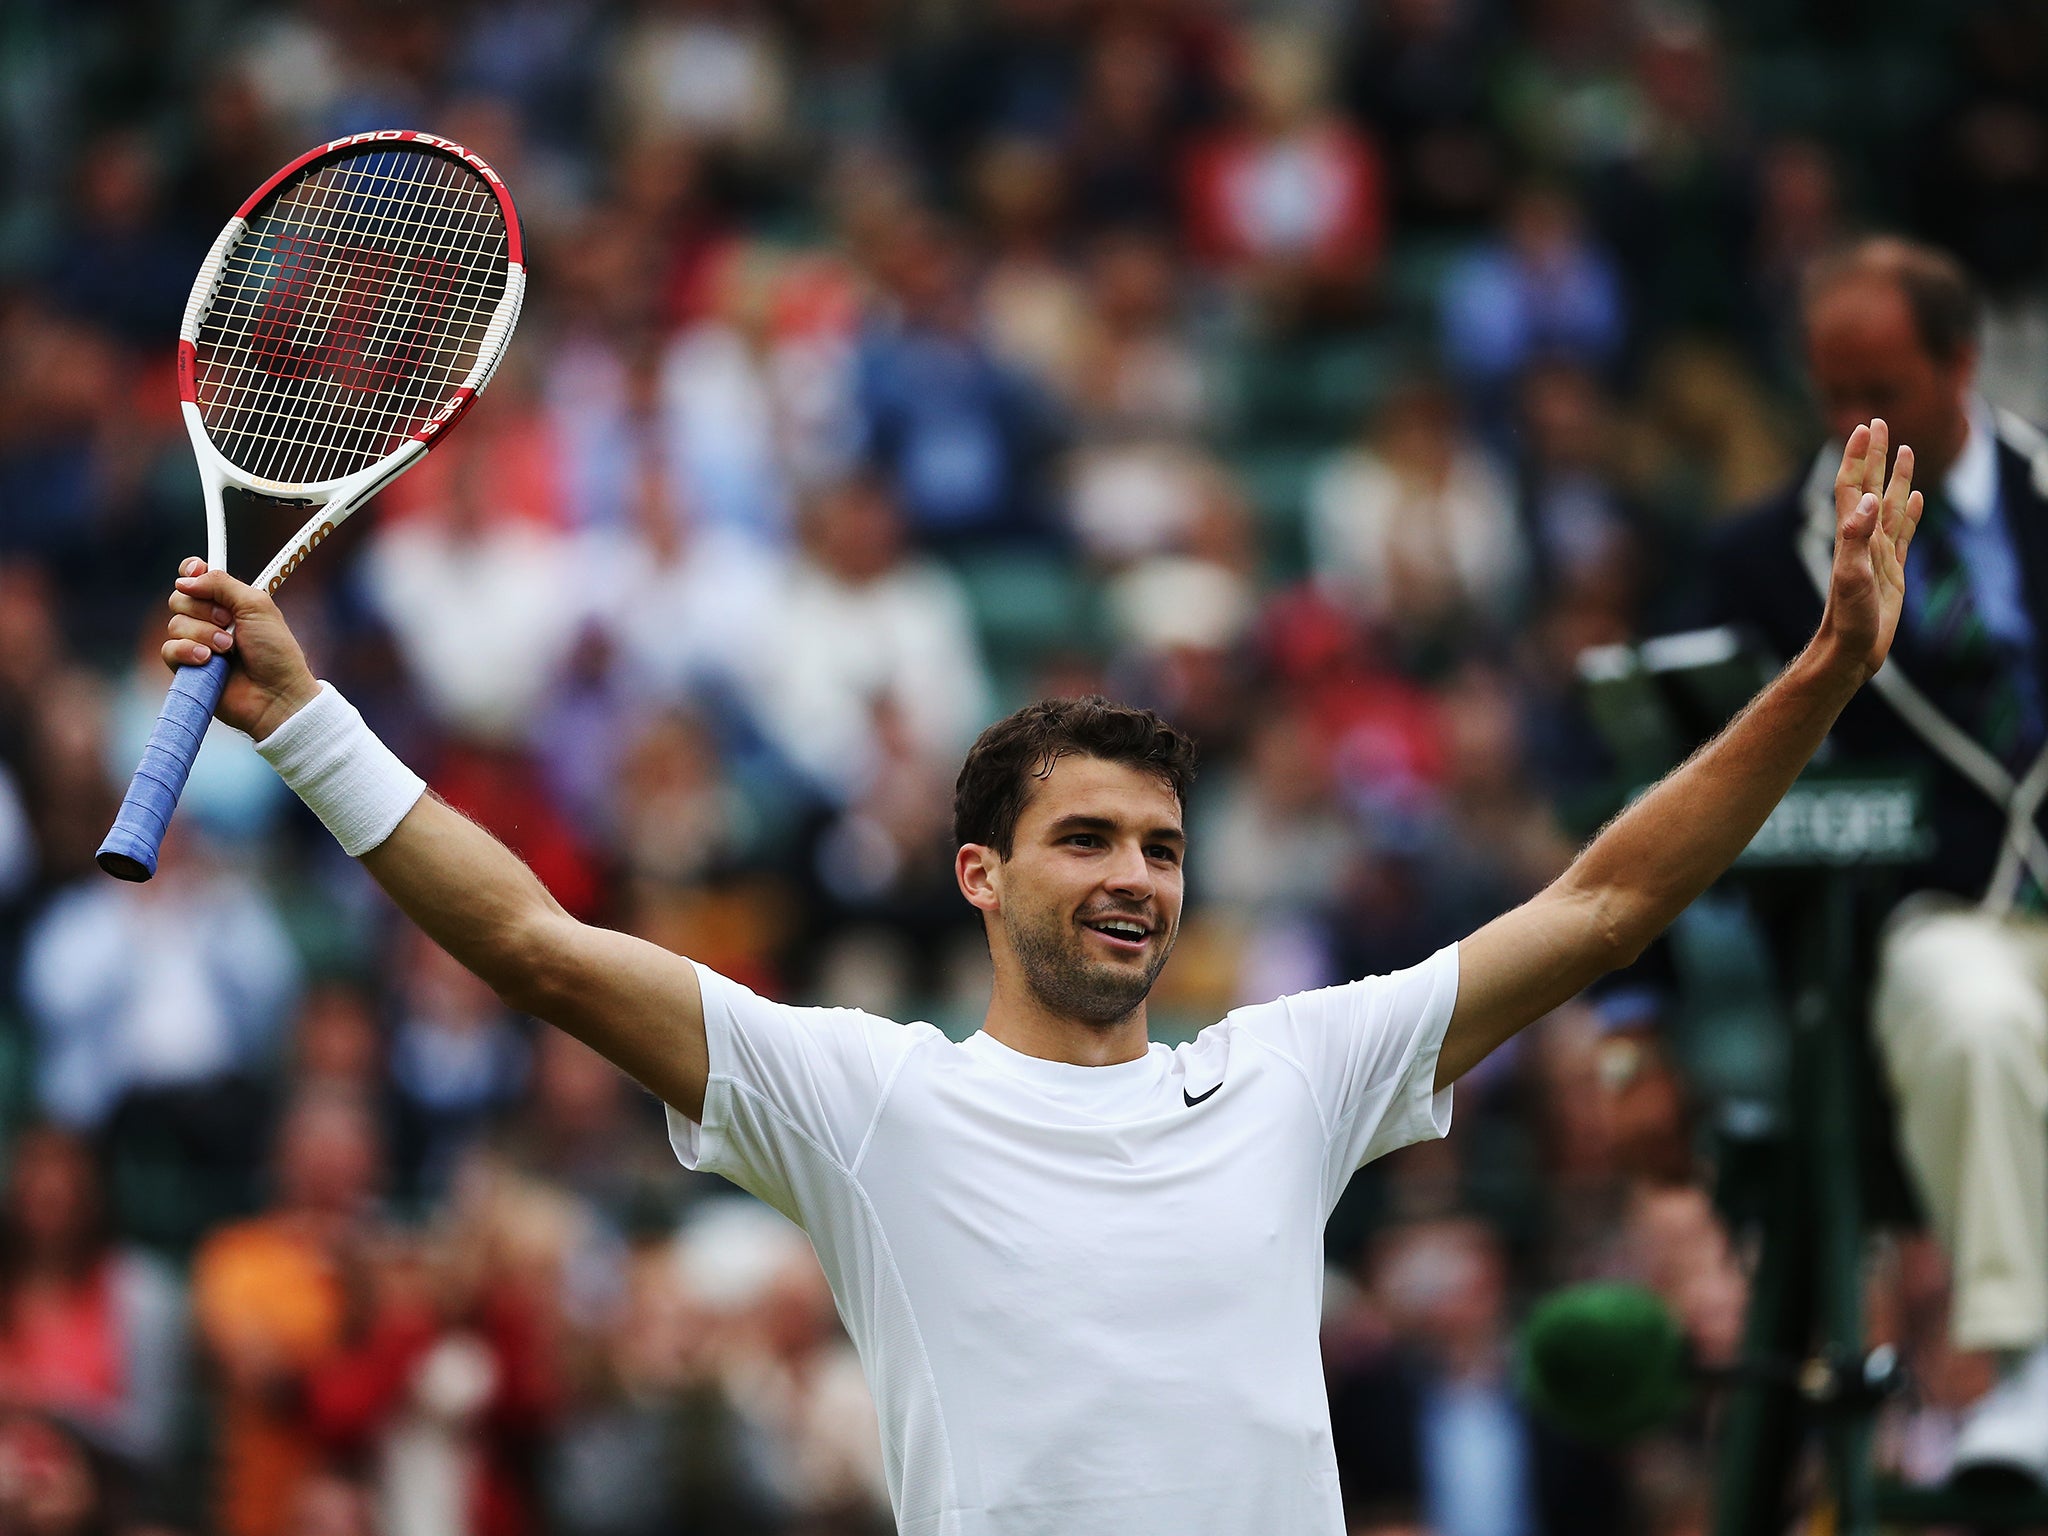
[1127,934]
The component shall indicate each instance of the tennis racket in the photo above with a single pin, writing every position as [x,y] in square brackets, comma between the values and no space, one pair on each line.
[339,328]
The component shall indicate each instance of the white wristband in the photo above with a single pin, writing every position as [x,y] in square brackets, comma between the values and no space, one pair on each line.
[348,778]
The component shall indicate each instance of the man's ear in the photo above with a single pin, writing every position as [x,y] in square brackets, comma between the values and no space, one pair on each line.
[978,869]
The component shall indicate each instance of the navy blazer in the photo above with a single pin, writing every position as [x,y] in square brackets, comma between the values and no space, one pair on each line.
[1760,585]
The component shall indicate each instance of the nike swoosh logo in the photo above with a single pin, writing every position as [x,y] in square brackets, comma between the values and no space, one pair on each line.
[1196,1098]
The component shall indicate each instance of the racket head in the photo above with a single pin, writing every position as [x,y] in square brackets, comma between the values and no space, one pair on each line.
[349,313]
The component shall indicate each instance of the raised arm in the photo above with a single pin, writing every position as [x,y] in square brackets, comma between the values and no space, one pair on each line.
[1654,858]
[633,1002]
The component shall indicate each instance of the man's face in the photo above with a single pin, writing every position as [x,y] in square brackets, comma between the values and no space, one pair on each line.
[1090,896]
[1866,359]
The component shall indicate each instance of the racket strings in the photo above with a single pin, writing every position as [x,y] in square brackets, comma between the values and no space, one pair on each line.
[332,296]
[346,316]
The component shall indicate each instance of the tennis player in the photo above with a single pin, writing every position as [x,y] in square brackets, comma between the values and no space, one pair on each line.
[1083,1271]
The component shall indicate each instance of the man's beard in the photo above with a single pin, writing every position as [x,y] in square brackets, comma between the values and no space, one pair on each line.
[1067,982]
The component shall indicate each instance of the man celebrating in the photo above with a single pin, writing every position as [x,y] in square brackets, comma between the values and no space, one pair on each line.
[1083,1271]
[1960,1004]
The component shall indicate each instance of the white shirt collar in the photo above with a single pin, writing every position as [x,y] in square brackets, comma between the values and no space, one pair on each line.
[1971,485]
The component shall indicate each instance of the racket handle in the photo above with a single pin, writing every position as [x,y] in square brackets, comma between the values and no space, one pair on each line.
[130,851]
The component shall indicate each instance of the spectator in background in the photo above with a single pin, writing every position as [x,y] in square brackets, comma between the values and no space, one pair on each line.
[1135,480]
[90,1331]
[1984,193]
[1009,67]
[1032,303]
[62,383]
[583,1130]
[337,1047]
[1986,169]
[685,609]
[270,1299]
[457,1060]
[1678,205]
[1415,532]
[887,926]
[1276,840]
[1432,1430]
[861,622]
[1141,376]
[1578,527]
[52,715]
[709,69]
[466,574]
[675,815]
[755,396]
[1276,847]
[1542,291]
[51,1483]
[963,440]
[236,145]
[1130,501]
[1288,192]
[1564,92]
[798,1386]
[1180,613]
[442,1387]
[1124,139]
[1417,72]
[121,267]
[1800,218]
[1497,818]
[137,1008]
[842,102]
[787,1370]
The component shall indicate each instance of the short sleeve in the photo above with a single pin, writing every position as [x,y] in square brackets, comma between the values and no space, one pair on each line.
[792,1092]
[1368,1050]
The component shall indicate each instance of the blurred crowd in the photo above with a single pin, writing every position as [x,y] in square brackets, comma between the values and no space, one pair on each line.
[1324,375]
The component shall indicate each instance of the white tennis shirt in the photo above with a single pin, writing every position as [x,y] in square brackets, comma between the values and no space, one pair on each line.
[1087,1298]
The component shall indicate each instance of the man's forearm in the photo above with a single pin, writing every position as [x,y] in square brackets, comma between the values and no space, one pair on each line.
[1670,845]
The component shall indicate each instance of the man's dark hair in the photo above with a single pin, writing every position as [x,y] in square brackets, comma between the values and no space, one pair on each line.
[1937,289]
[995,781]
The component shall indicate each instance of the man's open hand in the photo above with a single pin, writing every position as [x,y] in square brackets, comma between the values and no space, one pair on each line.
[1874,523]
[268,678]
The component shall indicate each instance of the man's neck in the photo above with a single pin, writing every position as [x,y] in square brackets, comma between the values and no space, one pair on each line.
[1018,1019]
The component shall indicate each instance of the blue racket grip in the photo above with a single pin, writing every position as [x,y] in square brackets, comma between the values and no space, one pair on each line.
[130,851]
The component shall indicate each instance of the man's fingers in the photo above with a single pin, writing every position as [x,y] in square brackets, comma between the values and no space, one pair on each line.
[1874,457]
[1901,483]
[1862,520]
[188,651]
[1902,536]
[1850,475]
[196,580]
[200,608]
[202,631]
